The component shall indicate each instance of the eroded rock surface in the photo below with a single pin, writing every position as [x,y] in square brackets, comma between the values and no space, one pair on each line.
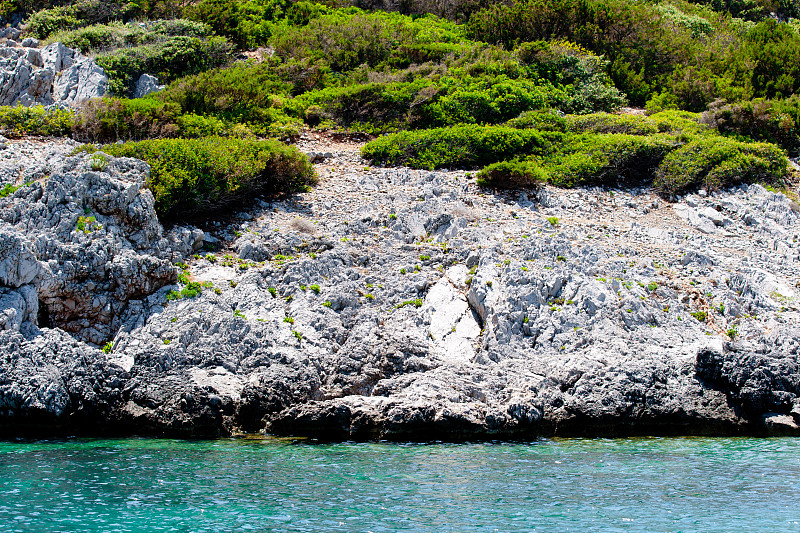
[391,303]
[51,75]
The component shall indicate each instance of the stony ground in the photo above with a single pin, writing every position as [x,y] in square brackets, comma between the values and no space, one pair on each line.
[395,303]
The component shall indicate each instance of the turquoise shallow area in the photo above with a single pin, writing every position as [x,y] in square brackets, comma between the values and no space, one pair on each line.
[722,485]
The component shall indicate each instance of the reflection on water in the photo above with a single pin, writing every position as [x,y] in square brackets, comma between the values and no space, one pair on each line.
[690,484]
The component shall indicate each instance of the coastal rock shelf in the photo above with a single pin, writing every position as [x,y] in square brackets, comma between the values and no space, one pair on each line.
[395,303]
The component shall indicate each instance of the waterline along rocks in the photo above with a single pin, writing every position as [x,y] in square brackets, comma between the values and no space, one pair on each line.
[395,303]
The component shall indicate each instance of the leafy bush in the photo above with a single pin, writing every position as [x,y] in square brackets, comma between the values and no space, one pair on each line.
[346,39]
[100,37]
[766,120]
[36,120]
[566,63]
[168,60]
[544,120]
[714,162]
[513,174]
[462,146]
[583,160]
[250,23]
[191,177]
[112,119]
[46,22]
[597,159]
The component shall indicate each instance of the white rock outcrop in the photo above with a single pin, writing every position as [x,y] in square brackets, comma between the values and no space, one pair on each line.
[52,75]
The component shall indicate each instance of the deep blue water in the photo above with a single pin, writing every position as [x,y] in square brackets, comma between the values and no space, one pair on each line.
[690,484]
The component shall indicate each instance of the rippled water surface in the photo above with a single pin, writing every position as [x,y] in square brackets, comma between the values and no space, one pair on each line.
[723,485]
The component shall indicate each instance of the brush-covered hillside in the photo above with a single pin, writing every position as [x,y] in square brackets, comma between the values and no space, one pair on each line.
[526,91]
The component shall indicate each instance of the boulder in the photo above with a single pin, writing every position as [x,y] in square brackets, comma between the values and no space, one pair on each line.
[147,84]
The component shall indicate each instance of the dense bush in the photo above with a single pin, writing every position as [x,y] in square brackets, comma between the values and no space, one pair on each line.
[168,60]
[715,162]
[248,93]
[101,37]
[586,159]
[112,119]
[590,159]
[766,120]
[46,22]
[251,23]
[192,177]
[18,121]
[671,150]
[565,63]
[462,146]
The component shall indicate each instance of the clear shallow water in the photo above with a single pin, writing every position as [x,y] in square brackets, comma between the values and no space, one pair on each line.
[724,485]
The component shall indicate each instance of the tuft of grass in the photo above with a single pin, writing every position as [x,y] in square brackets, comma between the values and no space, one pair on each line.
[417,302]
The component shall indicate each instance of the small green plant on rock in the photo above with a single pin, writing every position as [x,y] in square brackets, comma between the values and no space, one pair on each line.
[699,315]
[98,162]
[87,224]
[108,347]
[553,221]
[8,189]
[417,302]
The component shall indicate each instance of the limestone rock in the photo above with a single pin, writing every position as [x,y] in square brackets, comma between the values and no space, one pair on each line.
[147,84]
[55,74]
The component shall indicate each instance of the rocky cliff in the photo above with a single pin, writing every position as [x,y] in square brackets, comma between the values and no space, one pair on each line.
[51,75]
[392,303]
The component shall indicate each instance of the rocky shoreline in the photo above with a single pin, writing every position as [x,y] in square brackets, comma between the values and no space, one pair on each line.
[390,303]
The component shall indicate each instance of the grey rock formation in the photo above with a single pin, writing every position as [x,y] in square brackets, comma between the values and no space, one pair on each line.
[86,243]
[390,303]
[55,74]
[147,84]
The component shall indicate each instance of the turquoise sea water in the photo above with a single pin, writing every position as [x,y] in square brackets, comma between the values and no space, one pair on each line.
[724,485]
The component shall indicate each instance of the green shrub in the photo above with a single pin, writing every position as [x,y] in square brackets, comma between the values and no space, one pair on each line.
[566,63]
[35,120]
[714,162]
[347,39]
[766,120]
[168,60]
[112,119]
[597,159]
[46,22]
[100,37]
[461,146]
[8,189]
[190,177]
[608,123]
[543,120]
[513,174]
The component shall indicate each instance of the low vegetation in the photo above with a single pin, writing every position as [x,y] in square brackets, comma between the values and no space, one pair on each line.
[526,91]
[200,175]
